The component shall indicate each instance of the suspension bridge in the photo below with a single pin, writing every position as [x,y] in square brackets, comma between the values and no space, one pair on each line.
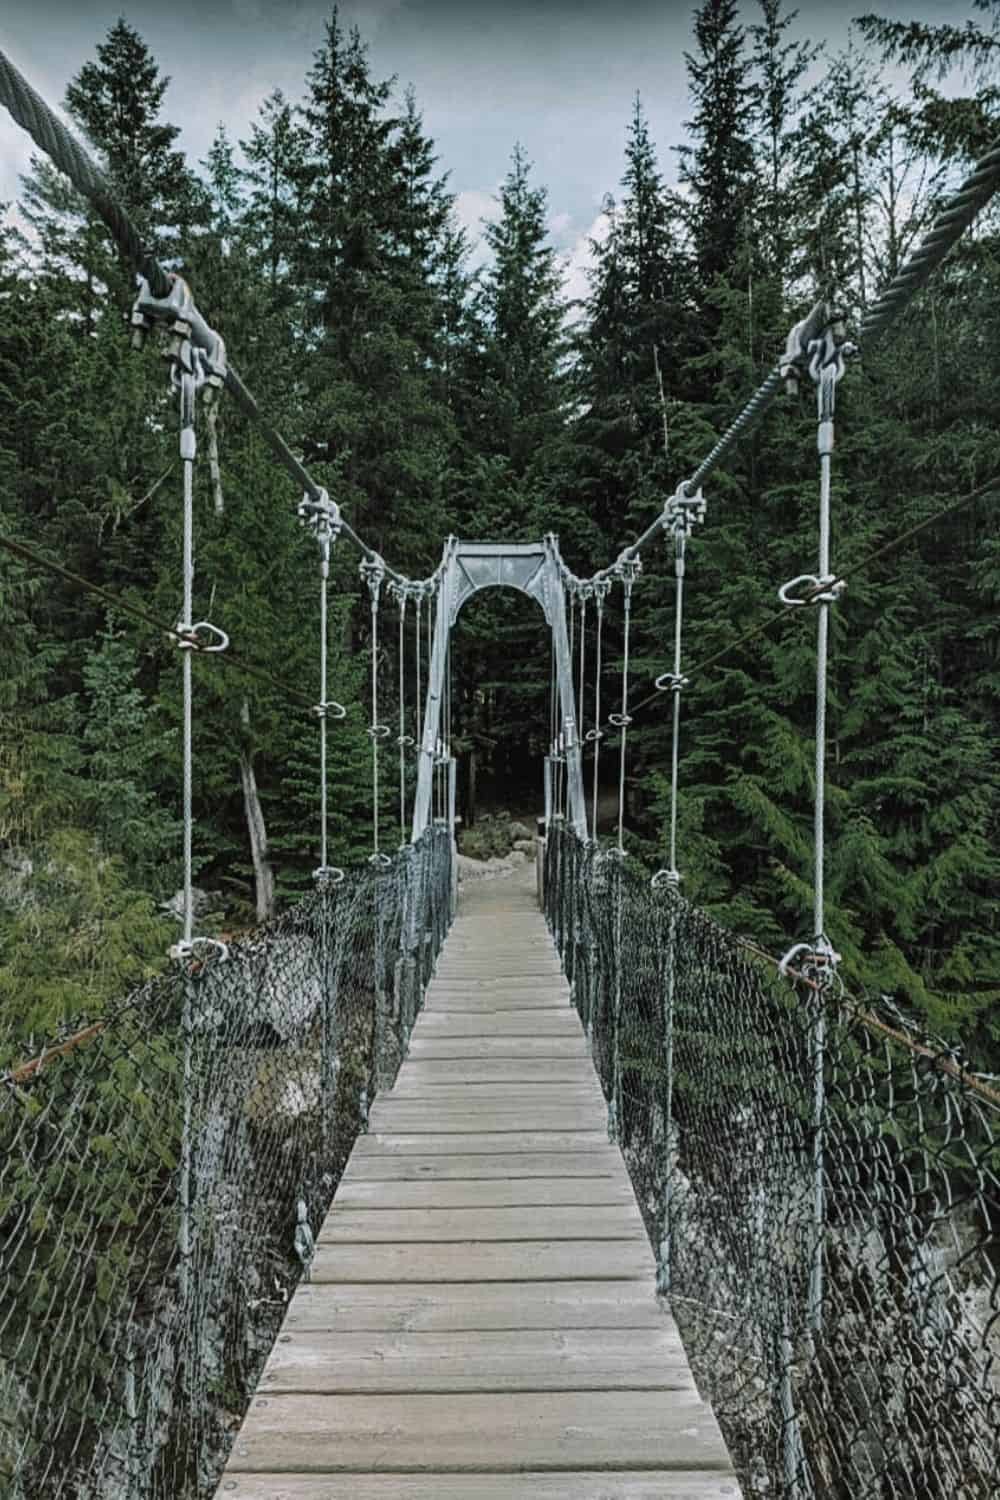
[360,1222]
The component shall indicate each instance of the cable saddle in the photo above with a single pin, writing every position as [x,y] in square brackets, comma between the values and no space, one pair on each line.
[825,590]
[321,515]
[682,512]
[372,570]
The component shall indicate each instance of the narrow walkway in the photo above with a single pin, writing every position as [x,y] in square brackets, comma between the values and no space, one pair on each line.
[481,1323]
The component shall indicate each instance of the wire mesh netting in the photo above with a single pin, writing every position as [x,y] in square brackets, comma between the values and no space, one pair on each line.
[162,1172]
[821,1185]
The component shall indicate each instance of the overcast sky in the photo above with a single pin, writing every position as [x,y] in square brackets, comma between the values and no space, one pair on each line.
[558,75]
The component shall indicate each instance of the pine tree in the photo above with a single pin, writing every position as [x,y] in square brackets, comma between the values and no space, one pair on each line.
[718,169]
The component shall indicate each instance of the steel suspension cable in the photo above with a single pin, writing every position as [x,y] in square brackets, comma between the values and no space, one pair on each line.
[596,734]
[628,571]
[947,229]
[373,574]
[165,296]
[402,738]
[988,488]
[323,519]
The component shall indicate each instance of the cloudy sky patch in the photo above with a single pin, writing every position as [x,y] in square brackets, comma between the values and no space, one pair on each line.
[557,75]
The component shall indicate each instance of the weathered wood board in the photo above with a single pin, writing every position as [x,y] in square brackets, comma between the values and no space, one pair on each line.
[481,1323]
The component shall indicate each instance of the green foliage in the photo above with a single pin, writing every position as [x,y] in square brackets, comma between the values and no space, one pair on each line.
[431,400]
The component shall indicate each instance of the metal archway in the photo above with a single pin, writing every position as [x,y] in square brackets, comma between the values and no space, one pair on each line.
[534,568]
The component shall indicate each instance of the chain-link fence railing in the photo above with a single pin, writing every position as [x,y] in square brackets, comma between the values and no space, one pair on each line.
[162,1173]
[821,1184]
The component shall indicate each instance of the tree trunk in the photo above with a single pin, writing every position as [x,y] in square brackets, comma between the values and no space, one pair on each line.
[262,873]
[470,795]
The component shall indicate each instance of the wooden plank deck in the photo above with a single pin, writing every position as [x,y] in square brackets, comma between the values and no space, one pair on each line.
[481,1322]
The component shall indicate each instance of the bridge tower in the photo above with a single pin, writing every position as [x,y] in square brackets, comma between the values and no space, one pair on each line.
[535,569]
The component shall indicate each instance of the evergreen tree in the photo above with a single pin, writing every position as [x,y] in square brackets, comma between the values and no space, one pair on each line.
[718,169]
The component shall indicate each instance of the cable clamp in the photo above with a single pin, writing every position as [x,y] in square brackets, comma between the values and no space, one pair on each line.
[825,590]
[177,313]
[379,731]
[593,735]
[627,569]
[199,952]
[620,721]
[671,682]
[322,516]
[188,635]
[682,512]
[329,875]
[405,740]
[816,961]
[664,878]
[330,710]
[829,351]
[372,570]
[379,861]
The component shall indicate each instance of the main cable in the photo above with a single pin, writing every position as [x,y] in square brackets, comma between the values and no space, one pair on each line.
[48,132]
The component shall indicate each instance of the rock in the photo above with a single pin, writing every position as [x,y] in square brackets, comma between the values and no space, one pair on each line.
[202,901]
[518,831]
[484,869]
[525,846]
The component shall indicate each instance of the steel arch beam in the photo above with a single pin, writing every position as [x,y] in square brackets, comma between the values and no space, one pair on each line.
[535,569]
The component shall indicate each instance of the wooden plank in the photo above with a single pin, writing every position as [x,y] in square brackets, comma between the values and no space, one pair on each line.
[522,1192]
[432,1119]
[476,969]
[496,1069]
[464,1000]
[445,1166]
[479,1433]
[508,1260]
[424,1047]
[496,1093]
[482,1323]
[345,1225]
[562,1022]
[456,1306]
[537,1360]
[400,1143]
[654,1484]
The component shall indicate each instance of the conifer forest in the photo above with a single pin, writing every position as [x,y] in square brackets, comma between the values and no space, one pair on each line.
[432,398]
